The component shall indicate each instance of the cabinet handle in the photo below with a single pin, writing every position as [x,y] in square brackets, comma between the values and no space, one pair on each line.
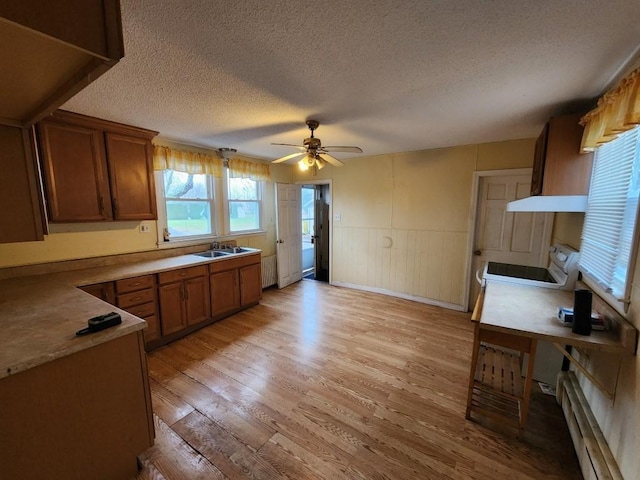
[182,293]
[114,201]
[186,293]
[135,284]
[101,203]
[182,274]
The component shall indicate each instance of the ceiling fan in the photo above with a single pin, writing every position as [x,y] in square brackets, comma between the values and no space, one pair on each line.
[314,155]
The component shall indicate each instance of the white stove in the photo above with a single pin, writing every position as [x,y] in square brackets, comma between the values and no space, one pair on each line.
[561,273]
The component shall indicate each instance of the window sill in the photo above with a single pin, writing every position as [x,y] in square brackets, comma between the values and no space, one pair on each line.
[187,242]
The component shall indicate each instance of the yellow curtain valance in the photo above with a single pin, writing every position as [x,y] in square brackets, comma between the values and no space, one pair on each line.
[165,158]
[617,111]
[255,171]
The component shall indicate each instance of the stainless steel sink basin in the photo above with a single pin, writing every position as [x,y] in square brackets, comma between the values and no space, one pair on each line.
[232,250]
[223,252]
[212,254]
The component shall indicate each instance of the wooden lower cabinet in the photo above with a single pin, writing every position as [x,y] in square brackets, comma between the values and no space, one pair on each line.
[225,292]
[171,300]
[250,284]
[184,299]
[137,296]
[84,415]
[235,283]
[178,302]
[104,291]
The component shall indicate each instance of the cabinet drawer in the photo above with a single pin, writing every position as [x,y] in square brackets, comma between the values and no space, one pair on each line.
[182,274]
[237,262]
[135,298]
[134,284]
[143,311]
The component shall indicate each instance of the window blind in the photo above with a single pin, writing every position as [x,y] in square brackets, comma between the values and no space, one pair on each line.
[608,232]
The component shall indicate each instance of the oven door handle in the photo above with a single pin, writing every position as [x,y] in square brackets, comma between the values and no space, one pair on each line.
[478,277]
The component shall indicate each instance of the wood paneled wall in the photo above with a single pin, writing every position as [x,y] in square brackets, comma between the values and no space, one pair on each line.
[418,263]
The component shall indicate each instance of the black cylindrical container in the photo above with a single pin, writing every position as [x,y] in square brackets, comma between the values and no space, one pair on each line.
[582,312]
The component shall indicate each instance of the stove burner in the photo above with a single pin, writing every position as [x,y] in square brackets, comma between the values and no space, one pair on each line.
[520,271]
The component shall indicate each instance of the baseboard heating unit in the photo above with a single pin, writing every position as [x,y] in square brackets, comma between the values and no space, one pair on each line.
[596,460]
[269,271]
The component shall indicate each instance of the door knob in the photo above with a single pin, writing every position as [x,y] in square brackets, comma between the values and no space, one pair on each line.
[477,252]
[280,241]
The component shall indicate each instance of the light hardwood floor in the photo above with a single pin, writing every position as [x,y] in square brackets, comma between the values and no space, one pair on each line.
[331,383]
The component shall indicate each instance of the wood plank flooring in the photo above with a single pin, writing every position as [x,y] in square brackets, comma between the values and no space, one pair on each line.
[320,382]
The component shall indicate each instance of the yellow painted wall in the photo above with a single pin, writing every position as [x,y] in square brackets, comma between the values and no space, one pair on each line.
[86,240]
[404,218]
[567,228]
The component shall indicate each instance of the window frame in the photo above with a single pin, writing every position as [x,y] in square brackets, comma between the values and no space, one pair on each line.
[227,206]
[620,301]
[220,212]
[163,218]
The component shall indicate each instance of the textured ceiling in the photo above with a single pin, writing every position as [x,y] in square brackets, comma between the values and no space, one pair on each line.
[385,75]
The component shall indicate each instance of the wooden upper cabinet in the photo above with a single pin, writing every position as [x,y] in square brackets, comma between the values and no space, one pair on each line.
[75,170]
[20,215]
[559,167]
[131,174]
[65,45]
[96,170]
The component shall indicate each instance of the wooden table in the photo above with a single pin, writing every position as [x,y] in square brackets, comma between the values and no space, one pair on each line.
[515,317]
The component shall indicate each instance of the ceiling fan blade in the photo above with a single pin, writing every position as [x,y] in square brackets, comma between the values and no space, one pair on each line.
[299,147]
[329,159]
[288,157]
[343,149]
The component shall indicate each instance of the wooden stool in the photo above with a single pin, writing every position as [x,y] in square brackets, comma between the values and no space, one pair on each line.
[496,387]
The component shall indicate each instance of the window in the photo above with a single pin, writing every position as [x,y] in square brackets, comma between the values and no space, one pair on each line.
[189,204]
[606,253]
[244,197]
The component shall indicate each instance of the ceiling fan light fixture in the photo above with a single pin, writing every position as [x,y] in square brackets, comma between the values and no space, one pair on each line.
[312,148]
[310,159]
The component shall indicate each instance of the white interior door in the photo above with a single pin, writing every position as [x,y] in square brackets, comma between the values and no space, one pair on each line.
[289,233]
[521,238]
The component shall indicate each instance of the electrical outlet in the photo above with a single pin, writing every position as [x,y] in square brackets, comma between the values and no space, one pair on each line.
[144,228]
[337,217]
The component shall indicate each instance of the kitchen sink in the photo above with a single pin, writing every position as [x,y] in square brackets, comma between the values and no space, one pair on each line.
[223,252]
[232,250]
[212,254]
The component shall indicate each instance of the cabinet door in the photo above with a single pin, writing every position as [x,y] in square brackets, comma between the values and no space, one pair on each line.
[538,161]
[131,175]
[75,173]
[566,170]
[225,292]
[152,332]
[250,284]
[20,216]
[104,291]
[197,303]
[172,315]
